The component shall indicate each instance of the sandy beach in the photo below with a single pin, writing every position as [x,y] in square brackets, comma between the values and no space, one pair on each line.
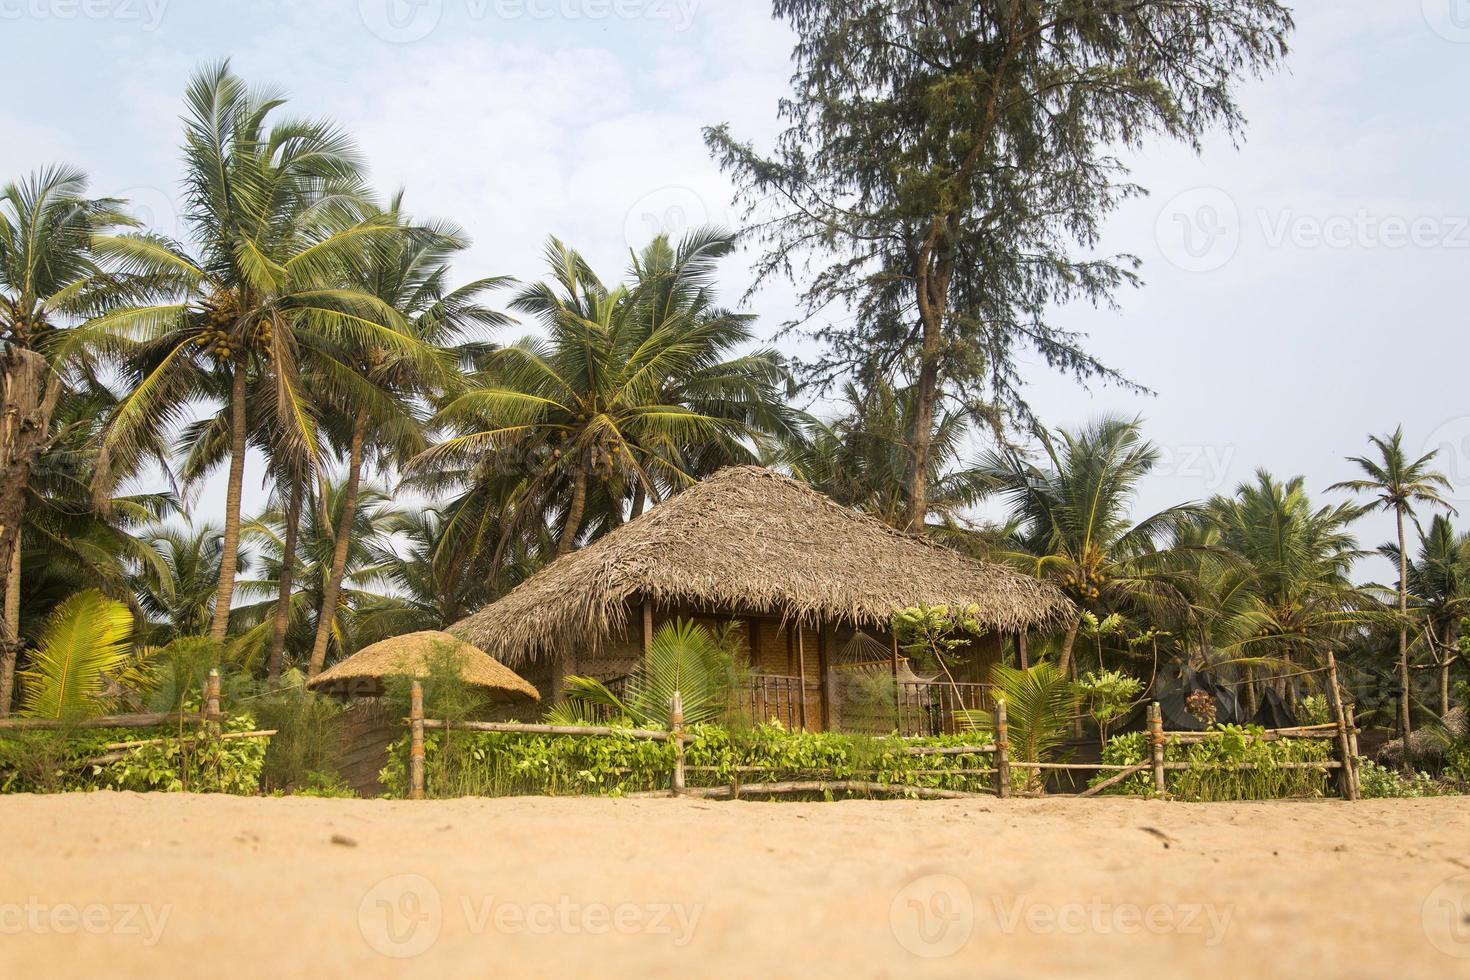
[129,885]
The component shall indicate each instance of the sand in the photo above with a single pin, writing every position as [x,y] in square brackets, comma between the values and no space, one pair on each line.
[117,884]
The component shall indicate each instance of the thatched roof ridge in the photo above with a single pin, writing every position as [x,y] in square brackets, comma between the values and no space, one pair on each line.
[363,672]
[752,542]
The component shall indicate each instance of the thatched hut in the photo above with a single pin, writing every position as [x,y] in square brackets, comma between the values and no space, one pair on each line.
[367,728]
[800,577]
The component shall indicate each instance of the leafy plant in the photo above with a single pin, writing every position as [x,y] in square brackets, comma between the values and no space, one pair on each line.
[1213,772]
[1380,783]
[1107,693]
[1040,703]
[86,640]
[683,657]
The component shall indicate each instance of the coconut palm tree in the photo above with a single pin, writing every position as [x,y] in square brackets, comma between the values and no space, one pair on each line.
[176,593]
[1074,519]
[1283,593]
[50,280]
[1398,484]
[632,394]
[375,397]
[1439,584]
[862,458]
[276,215]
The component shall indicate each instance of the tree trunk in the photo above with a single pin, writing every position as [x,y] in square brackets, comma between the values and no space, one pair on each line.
[224,596]
[28,395]
[10,642]
[640,498]
[333,591]
[1067,644]
[1444,690]
[1405,725]
[1023,660]
[575,511]
[288,570]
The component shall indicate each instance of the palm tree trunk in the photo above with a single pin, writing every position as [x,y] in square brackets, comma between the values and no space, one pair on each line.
[288,569]
[28,396]
[327,615]
[1404,702]
[574,512]
[1067,644]
[10,643]
[1022,659]
[224,596]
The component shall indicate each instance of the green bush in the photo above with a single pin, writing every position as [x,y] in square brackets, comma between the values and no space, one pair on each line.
[1212,776]
[460,763]
[57,761]
[1380,783]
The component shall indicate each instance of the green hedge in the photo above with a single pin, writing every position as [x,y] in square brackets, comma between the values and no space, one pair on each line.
[1211,776]
[56,761]
[461,763]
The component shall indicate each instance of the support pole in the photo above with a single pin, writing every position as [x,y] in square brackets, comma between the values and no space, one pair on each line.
[1002,751]
[676,726]
[1156,745]
[897,692]
[211,697]
[801,674]
[1344,743]
[416,741]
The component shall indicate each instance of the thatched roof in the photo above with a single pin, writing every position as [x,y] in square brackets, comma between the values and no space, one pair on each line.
[362,674]
[749,541]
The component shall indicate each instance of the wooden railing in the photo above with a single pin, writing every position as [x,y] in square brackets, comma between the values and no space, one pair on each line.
[939,707]
[771,697]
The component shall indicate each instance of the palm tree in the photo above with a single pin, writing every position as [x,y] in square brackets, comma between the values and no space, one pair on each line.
[49,280]
[409,274]
[1073,520]
[1439,582]
[632,394]
[1276,588]
[176,593]
[375,520]
[862,458]
[1398,484]
[276,216]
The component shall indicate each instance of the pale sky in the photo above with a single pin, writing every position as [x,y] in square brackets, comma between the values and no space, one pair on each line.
[1301,291]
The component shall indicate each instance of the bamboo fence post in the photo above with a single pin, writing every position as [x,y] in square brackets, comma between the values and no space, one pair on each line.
[1352,718]
[1156,745]
[211,696]
[416,741]
[676,726]
[1344,743]
[1002,751]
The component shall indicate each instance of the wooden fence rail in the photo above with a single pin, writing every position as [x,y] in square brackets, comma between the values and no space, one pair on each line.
[1000,749]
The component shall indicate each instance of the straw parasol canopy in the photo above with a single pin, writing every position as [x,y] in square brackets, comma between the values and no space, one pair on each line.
[748,541]
[363,673]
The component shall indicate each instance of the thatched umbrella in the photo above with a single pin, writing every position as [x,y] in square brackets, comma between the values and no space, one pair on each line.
[363,673]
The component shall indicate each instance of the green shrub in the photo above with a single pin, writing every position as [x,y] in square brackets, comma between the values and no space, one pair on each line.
[1380,783]
[1212,775]
[300,755]
[460,763]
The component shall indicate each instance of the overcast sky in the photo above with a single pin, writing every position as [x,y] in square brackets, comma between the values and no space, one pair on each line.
[1301,291]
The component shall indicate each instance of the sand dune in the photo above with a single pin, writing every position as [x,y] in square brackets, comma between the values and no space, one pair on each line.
[126,885]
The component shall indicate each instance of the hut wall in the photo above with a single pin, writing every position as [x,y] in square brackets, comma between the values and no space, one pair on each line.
[365,730]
